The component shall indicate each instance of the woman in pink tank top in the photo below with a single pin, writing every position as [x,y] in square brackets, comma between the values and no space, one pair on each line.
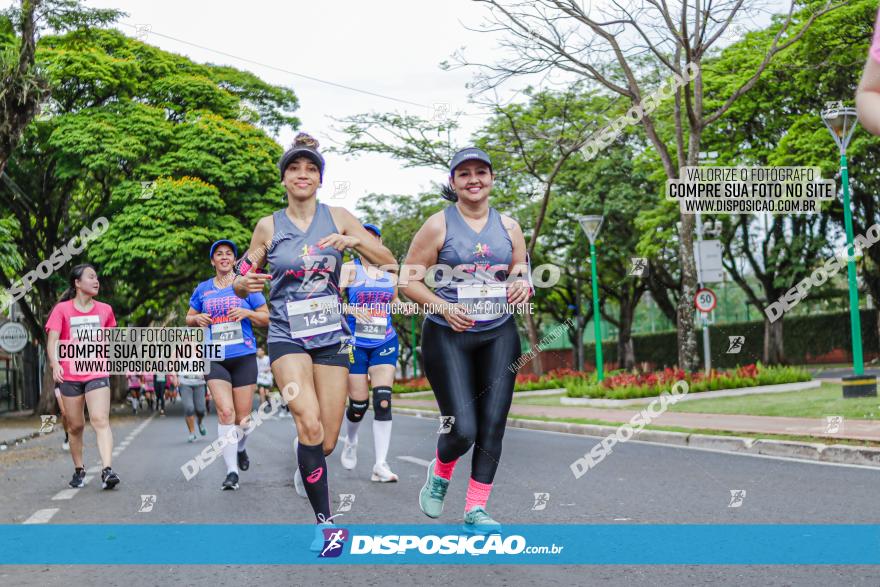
[71,319]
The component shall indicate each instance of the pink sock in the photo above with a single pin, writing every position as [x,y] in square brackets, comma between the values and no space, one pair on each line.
[442,469]
[477,495]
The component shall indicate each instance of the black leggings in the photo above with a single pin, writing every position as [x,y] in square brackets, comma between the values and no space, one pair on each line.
[470,375]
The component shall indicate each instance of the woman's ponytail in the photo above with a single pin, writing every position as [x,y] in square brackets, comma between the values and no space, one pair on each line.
[447,193]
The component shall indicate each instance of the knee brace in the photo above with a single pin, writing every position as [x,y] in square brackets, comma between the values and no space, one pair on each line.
[356,410]
[382,403]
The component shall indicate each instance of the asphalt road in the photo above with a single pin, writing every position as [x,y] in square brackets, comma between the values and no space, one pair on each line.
[638,483]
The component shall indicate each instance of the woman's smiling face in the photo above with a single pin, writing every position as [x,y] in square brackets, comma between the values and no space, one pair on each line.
[302,178]
[223,259]
[472,181]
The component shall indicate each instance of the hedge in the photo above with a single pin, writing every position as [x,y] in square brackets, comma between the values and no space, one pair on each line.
[628,385]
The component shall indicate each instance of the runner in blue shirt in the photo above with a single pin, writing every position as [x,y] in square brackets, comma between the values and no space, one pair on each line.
[233,380]
[375,353]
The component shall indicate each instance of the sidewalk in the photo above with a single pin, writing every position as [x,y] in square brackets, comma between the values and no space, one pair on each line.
[18,427]
[850,428]
[24,425]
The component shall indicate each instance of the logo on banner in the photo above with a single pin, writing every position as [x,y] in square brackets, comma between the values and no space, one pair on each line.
[334,540]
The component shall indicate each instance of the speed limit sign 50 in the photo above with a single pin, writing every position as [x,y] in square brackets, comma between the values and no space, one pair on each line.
[705,300]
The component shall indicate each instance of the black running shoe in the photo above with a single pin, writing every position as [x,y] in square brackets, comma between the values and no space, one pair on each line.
[78,476]
[231,483]
[244,462]
[109,479]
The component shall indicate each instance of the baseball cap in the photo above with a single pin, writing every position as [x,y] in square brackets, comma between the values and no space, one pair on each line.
[301,151]
[223,242]
[469,154]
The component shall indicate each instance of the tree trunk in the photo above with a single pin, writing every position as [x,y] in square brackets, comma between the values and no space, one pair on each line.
[46,404]
[582,358]
[774,353]
[532,329]
[687,337]
[626,358]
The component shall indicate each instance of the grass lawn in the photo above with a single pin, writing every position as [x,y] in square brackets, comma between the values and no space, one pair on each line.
[820,402]
[539,400]
[810,403]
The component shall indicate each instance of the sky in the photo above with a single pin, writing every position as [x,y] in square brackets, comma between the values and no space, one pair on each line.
[391,47]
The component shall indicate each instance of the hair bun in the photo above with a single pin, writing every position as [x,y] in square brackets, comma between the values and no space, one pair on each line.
[305,140]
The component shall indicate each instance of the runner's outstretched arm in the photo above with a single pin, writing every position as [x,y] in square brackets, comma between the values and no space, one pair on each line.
[247,279]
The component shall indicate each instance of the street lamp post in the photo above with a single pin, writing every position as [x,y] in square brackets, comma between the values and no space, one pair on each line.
[591,226]
[841,123]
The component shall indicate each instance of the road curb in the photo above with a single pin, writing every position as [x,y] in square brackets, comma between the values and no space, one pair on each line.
[813,451]
[6,444]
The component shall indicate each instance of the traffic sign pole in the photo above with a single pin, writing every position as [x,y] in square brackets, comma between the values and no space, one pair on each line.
[707,353]
[705,301]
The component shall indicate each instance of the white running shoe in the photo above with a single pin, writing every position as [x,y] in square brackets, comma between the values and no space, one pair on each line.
[382,473]
[297,476]
[65,445]
[298,483]
[349,455]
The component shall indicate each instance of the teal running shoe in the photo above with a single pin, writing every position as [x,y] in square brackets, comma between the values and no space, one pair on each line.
[477,521]
[433,493]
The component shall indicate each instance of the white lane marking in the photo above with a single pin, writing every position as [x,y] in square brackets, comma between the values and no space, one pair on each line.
[96,469]
[415,460]
[65,494]
[674,446]
[87,478]
[41,516]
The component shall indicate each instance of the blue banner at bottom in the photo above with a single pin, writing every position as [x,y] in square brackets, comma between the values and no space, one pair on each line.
[278,544]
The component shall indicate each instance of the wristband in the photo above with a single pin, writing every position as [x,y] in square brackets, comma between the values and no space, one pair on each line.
[242,266]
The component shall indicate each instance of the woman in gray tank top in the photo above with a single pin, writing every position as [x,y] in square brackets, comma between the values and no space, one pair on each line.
[470,343]
[308,340]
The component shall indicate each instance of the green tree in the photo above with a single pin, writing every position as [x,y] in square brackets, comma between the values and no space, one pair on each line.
[22,86]
[173,153]
[623,48]
[779,124]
